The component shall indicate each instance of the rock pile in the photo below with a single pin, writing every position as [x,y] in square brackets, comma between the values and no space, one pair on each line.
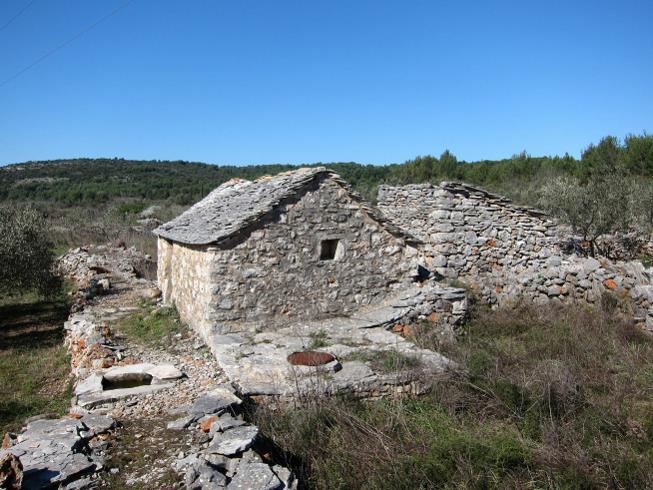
[132,382]
[56,452]
[87,266]
[227,459]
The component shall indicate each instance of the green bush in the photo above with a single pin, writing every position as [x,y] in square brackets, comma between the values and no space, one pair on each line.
[26,258]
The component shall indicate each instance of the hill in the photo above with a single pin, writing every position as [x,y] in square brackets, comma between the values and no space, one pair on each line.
[89,181]
[86,180]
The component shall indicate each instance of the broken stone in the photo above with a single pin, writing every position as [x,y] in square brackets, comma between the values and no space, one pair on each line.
[203,476]
[234,441]
[214,401]
[255,475]
[165,372]
[98,424]
[82,484]
[92,384]
[225,422]
[610,284]
[206,422]
[11,471]
[286,476]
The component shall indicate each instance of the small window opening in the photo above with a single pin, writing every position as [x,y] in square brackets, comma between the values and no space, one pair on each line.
[329,249]
[422,274]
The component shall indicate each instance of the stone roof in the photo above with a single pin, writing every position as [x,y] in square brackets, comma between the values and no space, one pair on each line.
[238,204]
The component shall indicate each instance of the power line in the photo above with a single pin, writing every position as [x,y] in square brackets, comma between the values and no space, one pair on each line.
[66,43]
[20,12]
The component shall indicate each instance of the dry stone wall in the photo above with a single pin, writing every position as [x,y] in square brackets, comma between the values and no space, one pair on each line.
[509,253]
[469,232]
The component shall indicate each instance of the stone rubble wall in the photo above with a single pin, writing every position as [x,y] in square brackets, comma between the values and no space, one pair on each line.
[509,253]
[67,452]
[469,232]
[85,268]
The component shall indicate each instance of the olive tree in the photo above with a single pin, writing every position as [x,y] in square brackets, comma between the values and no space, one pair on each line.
[26,258]
[602,204]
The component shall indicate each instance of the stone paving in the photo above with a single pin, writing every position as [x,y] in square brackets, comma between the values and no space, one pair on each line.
[257,361]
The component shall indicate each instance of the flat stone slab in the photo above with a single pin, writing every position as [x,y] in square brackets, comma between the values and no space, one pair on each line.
[257,362]
[180,423]
[98,424]
[255,476]
[92,384]
[92,400]
[55,451]
[233,441]
[214,401]
[157,371]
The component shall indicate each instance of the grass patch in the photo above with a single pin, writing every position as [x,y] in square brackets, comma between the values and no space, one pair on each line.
[552,398]
[646,260]
[152,324]
[318,339]
[385,361]
[34,365]
[411,444]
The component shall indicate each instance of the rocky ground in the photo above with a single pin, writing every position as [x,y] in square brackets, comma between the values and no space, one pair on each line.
[183,430]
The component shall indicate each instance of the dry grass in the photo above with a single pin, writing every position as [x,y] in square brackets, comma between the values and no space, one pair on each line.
[552,398]
[117,222]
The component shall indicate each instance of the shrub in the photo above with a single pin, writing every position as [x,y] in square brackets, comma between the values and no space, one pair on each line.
[601,205]
[26,258]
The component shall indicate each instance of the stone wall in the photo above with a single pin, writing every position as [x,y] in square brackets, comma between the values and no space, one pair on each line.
[184,275]
[508,253]
[469,232]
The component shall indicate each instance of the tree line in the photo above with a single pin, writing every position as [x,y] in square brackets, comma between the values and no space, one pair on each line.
[86,181]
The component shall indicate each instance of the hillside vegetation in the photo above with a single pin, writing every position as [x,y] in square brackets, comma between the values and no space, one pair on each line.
[86,180]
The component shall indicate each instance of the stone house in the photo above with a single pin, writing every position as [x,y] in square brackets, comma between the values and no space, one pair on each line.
[298,245]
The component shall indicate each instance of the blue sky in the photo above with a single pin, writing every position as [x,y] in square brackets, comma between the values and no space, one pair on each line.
[305,81]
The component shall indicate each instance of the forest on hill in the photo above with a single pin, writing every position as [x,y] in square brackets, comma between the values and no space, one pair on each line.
[87,181]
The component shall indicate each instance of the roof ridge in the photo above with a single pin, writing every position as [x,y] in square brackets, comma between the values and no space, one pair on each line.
[238,204]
